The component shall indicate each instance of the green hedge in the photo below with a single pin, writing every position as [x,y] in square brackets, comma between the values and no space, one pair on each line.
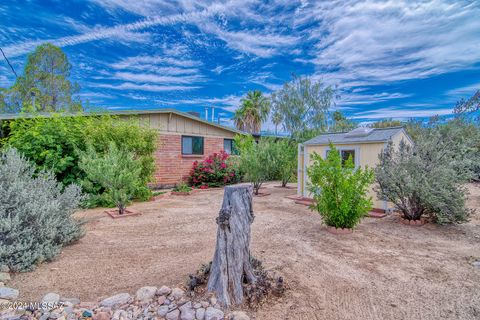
[54,144]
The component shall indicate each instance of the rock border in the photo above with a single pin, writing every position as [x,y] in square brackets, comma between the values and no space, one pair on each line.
[113,213]
[415,223]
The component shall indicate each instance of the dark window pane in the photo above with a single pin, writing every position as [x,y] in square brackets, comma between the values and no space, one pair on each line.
[347,154]
[227,146]
[192,145]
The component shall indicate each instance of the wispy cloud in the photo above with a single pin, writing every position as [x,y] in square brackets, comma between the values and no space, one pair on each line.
[146,87]
[465,90]
[400,113]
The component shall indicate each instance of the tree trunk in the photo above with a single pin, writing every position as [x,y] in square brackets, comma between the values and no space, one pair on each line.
[231,262]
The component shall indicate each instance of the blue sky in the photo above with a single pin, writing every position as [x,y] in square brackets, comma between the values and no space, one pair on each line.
[397,59]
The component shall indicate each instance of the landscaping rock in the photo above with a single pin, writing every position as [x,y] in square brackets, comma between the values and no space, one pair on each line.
[187,312]
[4,276]
[213,314]
[177,293]
[70,301]
[115,300]
[173,315]
[4,268]
[164,291]
[102,316]
[51,298]
[161,300]
[238,315]
[8,293]
[200,314]
[162,311]
[476,264]
[146,293]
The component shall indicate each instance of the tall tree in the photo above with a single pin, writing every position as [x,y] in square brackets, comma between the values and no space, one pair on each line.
[253,112]
[45,84]
[386,123]
[277,120]
[340,123]
[303,104]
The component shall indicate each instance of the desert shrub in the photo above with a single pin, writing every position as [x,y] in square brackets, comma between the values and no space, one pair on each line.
[54,143]
[340,190]
[182,187]
[216,170]
[427,178]
[116,170]
[256,160]
[285,156]
[35,213]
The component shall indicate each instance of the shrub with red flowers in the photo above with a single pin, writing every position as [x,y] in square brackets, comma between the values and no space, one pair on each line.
[217,170]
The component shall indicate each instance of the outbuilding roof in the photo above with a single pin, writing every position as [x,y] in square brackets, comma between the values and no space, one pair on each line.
[359,135]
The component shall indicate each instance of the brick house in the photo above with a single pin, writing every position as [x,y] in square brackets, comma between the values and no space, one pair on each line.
[183,139]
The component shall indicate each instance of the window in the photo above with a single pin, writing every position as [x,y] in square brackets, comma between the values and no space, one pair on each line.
[192,145]
[347,154]
[229,146]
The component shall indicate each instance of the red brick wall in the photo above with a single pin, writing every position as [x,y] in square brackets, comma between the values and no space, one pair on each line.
[171,166]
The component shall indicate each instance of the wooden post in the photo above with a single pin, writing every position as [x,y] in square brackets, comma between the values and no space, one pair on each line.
[231,262]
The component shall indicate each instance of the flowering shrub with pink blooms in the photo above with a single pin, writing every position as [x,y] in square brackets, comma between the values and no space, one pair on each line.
[217,170]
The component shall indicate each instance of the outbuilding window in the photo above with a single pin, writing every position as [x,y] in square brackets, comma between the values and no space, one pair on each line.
[347,154]
[192,145]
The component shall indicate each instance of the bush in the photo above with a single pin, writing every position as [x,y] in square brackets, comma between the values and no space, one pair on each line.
[182,187]
[427,179]
[55,144]
[116,170]
[256,160]
[35,214]
[217,170]
[340,191]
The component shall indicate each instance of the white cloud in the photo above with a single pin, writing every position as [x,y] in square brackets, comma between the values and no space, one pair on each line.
[465,90]
[400,113]
[157,78]
[146,87]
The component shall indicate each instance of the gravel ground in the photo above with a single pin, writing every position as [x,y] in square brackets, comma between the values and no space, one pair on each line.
[384,270]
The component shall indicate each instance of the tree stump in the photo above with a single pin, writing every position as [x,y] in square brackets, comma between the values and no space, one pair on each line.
[231,265]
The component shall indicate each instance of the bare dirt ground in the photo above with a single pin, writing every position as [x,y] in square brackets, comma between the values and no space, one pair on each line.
[384,270]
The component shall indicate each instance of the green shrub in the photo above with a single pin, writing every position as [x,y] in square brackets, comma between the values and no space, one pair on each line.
[35,213]
[182,187]
[216,170]
[55,143]
[340,191]
[116,170]
[256,160]
[428,178]
[285,160]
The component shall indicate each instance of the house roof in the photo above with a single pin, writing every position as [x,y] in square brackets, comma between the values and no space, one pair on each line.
[357,136]
[12,116]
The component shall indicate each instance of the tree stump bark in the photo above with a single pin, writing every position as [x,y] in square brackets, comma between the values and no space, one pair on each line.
[231,262]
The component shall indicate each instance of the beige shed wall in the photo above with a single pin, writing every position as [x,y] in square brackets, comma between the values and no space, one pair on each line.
[368,156]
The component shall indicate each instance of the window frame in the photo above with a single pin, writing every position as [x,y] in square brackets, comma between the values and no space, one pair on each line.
[355,149]
[192,153]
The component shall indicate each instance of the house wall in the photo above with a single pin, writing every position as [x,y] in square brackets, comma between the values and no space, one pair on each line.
[171,167]
[367,155]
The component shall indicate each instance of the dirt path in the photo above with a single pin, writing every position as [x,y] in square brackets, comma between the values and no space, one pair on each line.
[385,270]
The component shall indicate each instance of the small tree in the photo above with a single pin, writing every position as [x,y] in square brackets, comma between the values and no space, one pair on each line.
[256,160]
[116,170]
[285,158]
[36,213]
[340,190]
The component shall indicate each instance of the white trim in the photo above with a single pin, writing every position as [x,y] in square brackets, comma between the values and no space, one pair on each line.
[305,159]
[299,170]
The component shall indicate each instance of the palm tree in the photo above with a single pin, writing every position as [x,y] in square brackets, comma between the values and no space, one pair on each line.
[253,112]
[276,119]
